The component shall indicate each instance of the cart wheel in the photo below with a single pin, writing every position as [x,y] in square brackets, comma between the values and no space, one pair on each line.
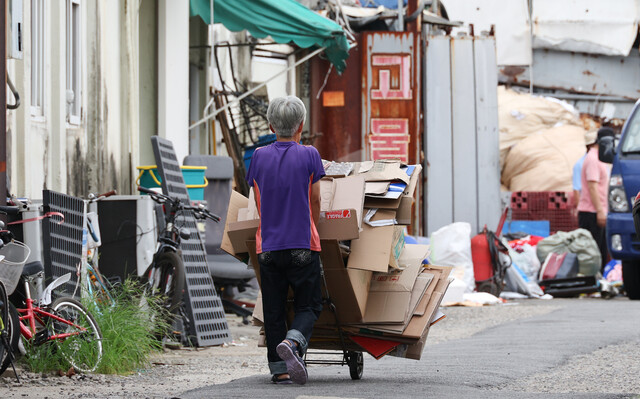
[355,360]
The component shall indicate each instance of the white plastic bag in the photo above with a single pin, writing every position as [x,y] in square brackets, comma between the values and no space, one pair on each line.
[451,246]
[527,261]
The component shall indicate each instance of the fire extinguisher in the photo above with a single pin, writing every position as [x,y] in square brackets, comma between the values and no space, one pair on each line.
[482,263]
[485,259]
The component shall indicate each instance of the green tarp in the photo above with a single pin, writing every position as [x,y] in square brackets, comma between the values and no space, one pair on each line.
[284,20]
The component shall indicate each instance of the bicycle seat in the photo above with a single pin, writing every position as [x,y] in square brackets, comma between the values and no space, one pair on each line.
[32,268]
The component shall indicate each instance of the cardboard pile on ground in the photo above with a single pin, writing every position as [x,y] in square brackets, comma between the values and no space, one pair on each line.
[385,297]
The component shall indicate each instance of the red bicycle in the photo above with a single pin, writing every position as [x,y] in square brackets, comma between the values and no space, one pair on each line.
[64,322]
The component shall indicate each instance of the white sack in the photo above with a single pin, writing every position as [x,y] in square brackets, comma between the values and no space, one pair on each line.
[451,246]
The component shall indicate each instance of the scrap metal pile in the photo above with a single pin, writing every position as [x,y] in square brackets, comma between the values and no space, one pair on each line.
[386,295]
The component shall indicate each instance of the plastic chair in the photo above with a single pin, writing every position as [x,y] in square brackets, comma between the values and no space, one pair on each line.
[230,275]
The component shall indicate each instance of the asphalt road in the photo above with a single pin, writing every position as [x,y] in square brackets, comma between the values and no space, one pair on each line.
[574,348]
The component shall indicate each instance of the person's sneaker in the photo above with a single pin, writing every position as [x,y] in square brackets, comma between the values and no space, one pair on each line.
[295,366]
[276,379]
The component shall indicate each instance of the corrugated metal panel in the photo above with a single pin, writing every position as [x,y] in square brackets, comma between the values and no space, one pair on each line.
[616,76]
[488,170]
[463,112]
[438,206]
[461,133]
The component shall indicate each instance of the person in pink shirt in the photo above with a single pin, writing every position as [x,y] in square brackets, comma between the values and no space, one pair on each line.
[592,207]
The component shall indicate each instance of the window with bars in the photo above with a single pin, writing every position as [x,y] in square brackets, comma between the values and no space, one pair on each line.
[74,64]
[37,57]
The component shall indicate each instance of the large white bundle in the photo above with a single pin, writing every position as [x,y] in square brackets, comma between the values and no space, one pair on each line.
[544,161]
[521,114]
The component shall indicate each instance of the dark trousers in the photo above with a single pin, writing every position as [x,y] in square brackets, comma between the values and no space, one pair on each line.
[588,221]
[279,270]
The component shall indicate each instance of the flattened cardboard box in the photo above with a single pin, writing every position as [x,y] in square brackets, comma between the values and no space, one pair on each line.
[236,233]
[418,324]
[385,170]
[349,289]
[423,281]
[413,181]
[404,212]
[340,225]
[343,193]
[377,248]
[390,294]
[402,281]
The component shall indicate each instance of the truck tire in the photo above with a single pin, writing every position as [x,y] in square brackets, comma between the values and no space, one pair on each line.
[631,278]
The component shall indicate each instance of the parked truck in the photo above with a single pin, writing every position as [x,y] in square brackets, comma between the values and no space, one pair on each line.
[624,185]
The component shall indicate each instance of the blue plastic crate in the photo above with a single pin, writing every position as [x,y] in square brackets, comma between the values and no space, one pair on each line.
[262,141]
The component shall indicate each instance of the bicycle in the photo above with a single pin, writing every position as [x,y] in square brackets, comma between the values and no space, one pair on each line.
[64,322]
[95,285]
[9,334]
[166,275]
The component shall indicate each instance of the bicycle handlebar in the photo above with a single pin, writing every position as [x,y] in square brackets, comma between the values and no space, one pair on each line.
[204,212]
[108,194]
[146,190]
[199,211]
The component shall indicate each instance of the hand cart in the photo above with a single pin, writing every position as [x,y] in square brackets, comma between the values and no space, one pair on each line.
[351,356]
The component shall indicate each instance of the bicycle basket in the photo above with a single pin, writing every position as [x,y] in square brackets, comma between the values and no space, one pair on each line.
[15,256]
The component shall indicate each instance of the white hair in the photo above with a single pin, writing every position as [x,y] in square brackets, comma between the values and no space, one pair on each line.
[285,114]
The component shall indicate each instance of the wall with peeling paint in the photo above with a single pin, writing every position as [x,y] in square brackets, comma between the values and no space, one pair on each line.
[100,153]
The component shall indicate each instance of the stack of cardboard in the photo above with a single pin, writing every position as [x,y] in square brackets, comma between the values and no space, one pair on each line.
[385,297]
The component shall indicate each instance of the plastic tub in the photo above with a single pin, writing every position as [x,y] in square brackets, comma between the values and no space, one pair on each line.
[194,179]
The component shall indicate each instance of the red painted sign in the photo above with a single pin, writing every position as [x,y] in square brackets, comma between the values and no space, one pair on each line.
[391,96]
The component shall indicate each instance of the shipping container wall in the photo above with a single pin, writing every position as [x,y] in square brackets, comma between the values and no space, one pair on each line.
[462,178]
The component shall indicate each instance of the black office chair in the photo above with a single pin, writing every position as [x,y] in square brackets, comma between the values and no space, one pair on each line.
[232,278]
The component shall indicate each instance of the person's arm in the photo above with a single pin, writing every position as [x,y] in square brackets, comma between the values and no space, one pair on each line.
[576,198]
[601,215]
[315,202]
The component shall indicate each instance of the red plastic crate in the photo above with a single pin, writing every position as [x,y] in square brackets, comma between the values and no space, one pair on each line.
[554,206]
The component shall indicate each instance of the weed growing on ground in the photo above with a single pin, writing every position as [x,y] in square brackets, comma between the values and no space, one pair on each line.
[129,329]
[43,358]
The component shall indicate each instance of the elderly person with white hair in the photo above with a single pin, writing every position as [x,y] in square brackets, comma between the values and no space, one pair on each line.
[285,178]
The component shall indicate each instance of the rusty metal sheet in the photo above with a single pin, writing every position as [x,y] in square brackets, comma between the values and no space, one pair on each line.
[390,96]
[335,122]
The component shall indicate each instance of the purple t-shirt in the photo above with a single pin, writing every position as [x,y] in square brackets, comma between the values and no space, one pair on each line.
[281,175]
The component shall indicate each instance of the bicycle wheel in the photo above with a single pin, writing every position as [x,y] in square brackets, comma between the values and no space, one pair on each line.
[9,330]
[84,349]
[166,277]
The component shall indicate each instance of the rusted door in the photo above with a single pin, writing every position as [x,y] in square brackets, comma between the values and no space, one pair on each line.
[390,96]
[335,107]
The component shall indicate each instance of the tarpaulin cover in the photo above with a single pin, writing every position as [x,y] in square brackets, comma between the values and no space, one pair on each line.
[284,20]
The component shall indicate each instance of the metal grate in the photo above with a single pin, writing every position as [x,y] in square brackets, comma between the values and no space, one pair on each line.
[205,312]
[62,243]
